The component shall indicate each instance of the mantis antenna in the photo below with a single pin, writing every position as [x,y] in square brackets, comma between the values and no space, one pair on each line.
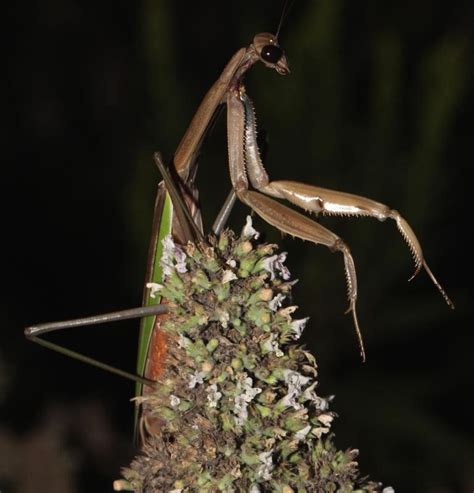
[284,14]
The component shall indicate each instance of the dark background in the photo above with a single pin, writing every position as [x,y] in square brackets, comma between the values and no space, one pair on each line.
[378,103]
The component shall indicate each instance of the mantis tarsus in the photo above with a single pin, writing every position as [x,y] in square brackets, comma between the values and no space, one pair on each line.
[246,169]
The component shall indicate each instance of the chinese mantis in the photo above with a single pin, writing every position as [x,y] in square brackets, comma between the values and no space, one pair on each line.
[177,212]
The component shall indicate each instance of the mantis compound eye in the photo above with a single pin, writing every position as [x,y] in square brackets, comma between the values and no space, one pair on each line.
[271,53]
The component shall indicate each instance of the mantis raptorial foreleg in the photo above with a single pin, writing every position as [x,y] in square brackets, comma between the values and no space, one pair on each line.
[242,146]
[246,166]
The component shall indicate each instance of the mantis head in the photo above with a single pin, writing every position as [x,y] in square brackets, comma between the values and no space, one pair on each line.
[270,53]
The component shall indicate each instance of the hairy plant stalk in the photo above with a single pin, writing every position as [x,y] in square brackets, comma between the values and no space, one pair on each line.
[236,405]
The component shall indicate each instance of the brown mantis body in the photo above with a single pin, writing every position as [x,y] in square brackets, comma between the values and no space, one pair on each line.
[253,187]
[247,169]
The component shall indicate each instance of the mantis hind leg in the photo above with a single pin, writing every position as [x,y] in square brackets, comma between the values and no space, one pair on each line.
[35,332]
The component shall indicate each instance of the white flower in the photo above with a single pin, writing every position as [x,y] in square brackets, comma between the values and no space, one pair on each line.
[183,341]
[231,263]
[223,317]
[180,257]
[275,265]
[249,231]
[174,400]
[166,256]
[213,395]
[276,302]
[172,251]
[271,345]
[388,489]
[301,434]
[247,393]
[228,276]
[154,287]
[264,471]
[295,382]
[297,327]
[320,403]
[294,378]
[196,378]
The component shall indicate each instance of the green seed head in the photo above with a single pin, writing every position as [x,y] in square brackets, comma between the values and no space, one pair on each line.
[236,404]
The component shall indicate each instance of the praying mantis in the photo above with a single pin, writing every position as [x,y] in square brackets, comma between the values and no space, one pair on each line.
[177,211]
